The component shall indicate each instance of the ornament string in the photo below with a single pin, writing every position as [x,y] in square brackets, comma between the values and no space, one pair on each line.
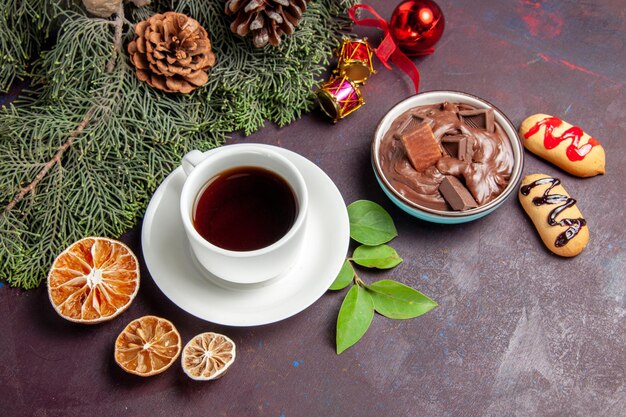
[388,49]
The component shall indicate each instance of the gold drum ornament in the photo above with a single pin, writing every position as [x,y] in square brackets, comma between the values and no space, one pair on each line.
[339,97]
[355,60]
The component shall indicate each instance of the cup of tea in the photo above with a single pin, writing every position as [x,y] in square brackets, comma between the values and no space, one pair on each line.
[244,208]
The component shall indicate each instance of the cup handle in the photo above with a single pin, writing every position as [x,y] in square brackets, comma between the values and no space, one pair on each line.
[190,160]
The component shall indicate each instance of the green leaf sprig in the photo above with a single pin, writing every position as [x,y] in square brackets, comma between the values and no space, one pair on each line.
[373,227]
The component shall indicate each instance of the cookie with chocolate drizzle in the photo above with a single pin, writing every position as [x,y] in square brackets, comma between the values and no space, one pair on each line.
[555,215]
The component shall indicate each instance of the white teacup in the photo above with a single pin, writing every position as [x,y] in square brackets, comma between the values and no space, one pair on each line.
[242,267]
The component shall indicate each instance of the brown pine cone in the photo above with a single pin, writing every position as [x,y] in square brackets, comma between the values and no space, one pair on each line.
[171,52]
[268,20]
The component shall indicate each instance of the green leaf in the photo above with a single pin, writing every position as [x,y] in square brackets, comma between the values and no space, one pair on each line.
[398,301]
[344,278]
[381,256]
[370,224]
[355,317]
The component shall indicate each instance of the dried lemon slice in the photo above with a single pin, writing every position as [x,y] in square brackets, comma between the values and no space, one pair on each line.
[147,346]
[93,280]
[207,356]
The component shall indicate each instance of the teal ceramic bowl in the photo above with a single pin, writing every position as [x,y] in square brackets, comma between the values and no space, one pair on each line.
[441,216]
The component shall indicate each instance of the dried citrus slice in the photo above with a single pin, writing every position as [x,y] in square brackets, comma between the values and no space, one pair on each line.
[93,280]
[207,356]
[147,346]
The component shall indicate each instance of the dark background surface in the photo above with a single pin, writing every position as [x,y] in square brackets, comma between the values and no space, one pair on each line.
[518,331]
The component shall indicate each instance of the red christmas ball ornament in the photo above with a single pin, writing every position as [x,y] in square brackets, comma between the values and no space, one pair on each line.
[416,26]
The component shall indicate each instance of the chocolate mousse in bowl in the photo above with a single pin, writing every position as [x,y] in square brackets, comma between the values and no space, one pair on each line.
[447,157]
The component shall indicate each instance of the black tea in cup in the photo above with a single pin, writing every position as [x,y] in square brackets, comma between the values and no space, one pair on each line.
[244,209]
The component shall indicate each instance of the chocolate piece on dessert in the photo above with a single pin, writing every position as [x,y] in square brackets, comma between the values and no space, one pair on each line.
[469,150]
[479,118]
[455,146]
[412,122]
[456,194]
[421,147]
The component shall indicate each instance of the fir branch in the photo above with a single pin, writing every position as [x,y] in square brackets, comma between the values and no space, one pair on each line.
[55,159]
[24,24]
[117,39]
[135,135]
[117,47]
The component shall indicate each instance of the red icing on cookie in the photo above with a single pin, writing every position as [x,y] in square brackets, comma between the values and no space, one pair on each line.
[574,152]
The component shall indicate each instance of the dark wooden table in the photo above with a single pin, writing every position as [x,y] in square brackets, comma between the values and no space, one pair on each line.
[518,331]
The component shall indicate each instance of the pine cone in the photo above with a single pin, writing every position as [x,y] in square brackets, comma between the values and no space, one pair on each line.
[171,52]
[268,20]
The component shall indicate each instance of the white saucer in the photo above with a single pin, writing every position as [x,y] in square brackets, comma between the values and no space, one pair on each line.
[175,271]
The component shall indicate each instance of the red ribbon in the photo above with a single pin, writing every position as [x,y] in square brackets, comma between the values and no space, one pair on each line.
[388,47]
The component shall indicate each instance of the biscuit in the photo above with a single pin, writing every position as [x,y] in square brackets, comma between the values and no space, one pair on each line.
[555,215]
[566,146]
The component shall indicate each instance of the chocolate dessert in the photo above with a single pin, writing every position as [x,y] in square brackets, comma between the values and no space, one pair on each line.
[447,156]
